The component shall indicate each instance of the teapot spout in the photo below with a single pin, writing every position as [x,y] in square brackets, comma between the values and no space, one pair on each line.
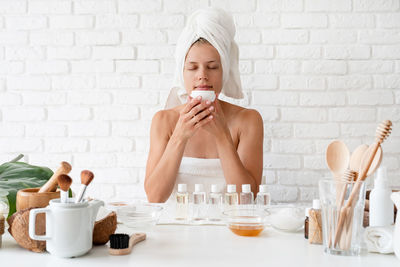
[94,206]
[396,199]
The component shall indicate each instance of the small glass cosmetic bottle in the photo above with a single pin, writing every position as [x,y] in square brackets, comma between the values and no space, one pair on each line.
[182,202]
[246,196]
[199,202]
[215,203]
[263,197]
[231,197]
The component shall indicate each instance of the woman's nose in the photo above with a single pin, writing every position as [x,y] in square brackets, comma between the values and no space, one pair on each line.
[202,74]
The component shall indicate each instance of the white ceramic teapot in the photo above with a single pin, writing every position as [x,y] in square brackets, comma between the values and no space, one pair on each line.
[69,227]
[396,237]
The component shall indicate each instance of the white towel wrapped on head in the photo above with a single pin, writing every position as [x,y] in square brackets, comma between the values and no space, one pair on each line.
[379,239]
[218,28]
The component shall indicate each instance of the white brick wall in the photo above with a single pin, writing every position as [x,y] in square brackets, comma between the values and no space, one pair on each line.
[80,81]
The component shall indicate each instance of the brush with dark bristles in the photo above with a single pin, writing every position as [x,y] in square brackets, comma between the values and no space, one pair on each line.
[122,244]
[86,178]
[64,181]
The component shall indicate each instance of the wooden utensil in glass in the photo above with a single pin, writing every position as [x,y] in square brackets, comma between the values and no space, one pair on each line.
[337,158]
[382,132]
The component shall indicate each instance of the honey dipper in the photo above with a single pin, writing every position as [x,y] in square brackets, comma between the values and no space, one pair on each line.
[86,178]
[382,132]
[64,181]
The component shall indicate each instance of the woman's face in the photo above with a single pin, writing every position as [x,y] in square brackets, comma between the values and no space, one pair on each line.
[202,69]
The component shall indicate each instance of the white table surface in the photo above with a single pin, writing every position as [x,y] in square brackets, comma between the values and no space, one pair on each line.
[183,245]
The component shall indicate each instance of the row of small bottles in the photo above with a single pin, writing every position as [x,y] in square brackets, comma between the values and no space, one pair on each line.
[216,200]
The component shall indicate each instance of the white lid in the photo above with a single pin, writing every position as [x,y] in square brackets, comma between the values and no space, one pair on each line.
[246,188]
[307,213]
[182,188]
[198,188]
[231,188]
[263,188]
[215,188]
[381,180]
[316,204]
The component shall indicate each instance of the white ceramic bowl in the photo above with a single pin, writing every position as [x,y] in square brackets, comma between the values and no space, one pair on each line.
[205,95]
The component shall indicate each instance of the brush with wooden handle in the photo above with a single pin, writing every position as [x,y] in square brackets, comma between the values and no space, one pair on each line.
[341,187]
[51,184]
[382,132]
[64,181]
[86,178]
[348,177]
[122,244]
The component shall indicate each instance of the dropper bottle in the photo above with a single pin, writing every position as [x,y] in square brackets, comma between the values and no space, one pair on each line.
[231,197]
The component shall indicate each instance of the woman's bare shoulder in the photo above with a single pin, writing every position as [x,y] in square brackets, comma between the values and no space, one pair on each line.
[242,115]
[247,114]
[166,119]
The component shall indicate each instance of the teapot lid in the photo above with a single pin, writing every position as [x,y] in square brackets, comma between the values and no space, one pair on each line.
[71,204]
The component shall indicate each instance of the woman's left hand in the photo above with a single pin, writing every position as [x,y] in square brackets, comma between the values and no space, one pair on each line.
[217,126]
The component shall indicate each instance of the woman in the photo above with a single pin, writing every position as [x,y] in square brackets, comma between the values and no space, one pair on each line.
[195,141]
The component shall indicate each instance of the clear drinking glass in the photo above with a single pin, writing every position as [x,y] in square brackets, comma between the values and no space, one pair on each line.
[342,205]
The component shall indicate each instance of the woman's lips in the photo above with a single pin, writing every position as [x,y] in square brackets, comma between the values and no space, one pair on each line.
[203,87]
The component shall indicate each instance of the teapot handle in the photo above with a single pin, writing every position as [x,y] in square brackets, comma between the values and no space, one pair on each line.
[32,224]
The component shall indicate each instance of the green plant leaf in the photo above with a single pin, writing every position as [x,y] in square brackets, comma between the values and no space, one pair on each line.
[19,175]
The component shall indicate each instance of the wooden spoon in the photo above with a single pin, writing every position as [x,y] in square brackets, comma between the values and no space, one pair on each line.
[337,158]
[356,157]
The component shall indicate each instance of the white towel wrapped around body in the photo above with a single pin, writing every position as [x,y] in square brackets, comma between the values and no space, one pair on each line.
[218,28]
[379,239]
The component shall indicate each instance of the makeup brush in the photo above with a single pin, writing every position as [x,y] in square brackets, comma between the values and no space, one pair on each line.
[51,184]
[64,181]
[86,178]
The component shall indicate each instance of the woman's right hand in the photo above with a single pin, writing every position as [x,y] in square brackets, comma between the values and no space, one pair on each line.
[194,115]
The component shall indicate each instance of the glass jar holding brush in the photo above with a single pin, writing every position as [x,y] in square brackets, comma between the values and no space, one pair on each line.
[342,205]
